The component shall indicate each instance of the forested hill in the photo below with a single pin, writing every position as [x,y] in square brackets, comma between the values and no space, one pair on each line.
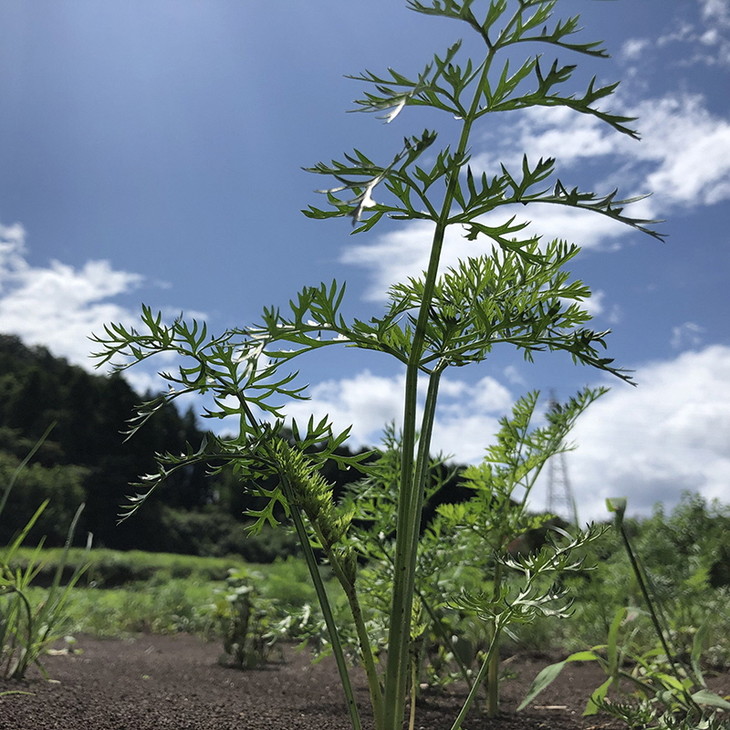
[85,459]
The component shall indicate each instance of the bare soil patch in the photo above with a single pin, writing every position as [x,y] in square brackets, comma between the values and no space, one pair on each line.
[158,682]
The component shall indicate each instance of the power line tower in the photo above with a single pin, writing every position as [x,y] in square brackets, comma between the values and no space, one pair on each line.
[559,492]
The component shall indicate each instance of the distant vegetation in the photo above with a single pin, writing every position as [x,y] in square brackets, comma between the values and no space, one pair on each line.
[85,459]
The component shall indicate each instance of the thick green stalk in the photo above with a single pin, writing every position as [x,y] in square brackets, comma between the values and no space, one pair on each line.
[412,474]
[423,459]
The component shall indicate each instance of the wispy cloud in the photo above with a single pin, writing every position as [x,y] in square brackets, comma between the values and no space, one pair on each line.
[699,35]
[687,335]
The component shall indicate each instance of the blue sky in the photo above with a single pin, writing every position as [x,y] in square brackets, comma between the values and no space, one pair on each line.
[152,151]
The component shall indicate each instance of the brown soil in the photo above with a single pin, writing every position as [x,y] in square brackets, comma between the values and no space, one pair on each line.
[158,682]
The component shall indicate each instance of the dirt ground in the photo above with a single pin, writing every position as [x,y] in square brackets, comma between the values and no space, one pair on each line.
[158,682]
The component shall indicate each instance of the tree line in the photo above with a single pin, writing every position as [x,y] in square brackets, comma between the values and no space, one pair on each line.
[85,458]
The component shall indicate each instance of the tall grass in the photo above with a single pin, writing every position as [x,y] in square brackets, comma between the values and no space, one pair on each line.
[28,625]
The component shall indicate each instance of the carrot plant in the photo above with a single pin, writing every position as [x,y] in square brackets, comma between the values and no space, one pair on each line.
[514,290]
[465,545]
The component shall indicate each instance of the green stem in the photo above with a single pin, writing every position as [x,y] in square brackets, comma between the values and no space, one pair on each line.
[491,651]
[325,605]
[410,503]
[638,572]
[437,622]
[23,464]
[366,654]
[413,473]
[493,674]
[438,626]
[313,567]
[414,691]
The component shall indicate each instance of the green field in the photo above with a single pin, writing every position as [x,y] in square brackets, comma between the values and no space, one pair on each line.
[123,593]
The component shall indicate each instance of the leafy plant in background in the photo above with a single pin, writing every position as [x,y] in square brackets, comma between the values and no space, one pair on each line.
[516,292]
[243,616]
[464,545]
[685,554]
[671,693]
[28,627]
[502,484]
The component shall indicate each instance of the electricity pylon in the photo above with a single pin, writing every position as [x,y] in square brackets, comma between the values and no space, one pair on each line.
[559,492]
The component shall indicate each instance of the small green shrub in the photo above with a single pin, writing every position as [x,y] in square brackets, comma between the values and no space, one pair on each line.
[245,619]
[177,605]
[287,583]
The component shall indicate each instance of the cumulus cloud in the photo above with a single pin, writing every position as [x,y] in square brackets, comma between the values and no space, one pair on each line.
[651,443]
[466,422]
[690,148]
[58,306]
[683,157]
[364,401]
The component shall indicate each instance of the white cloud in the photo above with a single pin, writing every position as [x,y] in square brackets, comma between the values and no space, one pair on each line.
[513,375]
[595,305]
[544,132]
[691,147]
[686,335]
[670,434]
[702,39]
[716,15]
[683,156]
[404,252]
[365,401]
[716,11]
[651,443]
[464,427]
[58,306]
[634,48]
